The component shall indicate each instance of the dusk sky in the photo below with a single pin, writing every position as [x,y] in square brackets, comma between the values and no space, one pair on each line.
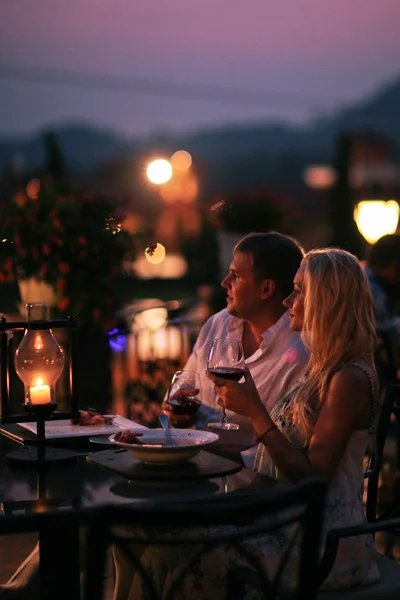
[307,57]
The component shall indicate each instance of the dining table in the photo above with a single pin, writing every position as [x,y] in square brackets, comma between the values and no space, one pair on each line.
[101,475]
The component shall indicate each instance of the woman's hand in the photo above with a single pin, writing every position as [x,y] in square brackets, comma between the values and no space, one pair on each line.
[241,398]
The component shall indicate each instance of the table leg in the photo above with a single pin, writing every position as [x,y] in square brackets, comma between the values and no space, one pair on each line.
[59,563]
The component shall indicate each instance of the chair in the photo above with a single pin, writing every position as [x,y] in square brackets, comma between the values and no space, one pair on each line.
[301,504]
[390,405]
[388,586]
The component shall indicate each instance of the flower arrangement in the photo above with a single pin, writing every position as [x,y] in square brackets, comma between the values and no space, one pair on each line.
[72,241]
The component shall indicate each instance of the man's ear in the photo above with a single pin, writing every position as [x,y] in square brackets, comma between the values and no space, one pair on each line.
[268,288]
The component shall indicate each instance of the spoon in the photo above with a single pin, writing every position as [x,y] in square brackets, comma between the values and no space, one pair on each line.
[165,425]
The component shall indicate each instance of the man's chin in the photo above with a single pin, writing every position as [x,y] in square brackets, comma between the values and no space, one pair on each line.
[231,309]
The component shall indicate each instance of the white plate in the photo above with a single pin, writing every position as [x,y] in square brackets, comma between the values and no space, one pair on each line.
[63,428]
[186,443]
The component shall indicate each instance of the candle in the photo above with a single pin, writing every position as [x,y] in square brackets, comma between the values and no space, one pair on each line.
[40,394]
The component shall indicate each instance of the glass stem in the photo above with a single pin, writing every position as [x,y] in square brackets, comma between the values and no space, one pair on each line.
[223,416]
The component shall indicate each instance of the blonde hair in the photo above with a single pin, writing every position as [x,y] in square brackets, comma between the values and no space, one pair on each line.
[338,325]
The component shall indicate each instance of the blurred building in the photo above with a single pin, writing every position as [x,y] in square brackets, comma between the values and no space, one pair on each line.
[372,171]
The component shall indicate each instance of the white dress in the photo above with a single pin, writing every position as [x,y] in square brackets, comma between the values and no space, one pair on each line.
[356,558]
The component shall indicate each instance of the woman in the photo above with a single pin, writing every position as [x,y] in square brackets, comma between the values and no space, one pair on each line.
[322,427]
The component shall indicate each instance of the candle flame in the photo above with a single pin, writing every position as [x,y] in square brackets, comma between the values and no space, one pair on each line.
[39,382]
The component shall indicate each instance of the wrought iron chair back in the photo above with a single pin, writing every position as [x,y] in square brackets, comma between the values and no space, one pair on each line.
[301,505]
[390,405]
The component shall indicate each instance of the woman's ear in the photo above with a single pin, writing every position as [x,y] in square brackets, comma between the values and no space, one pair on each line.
[268,288]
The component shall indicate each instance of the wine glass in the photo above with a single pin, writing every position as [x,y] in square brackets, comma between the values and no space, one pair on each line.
[226,360]
[183,392]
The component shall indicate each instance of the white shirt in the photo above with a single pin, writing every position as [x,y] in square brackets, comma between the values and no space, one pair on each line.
[275,367]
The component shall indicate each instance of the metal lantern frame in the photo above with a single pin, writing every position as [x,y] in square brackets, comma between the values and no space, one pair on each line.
[38,413]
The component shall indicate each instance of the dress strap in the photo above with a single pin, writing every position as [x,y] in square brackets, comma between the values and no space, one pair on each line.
[372,429]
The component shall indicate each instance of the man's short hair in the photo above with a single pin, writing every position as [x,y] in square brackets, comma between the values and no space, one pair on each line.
[275,256]
[384,251]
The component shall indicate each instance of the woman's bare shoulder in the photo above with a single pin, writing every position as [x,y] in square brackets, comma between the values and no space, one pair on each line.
[350,393]
[353,375]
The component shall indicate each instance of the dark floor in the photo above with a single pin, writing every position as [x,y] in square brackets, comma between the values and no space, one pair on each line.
[15,548]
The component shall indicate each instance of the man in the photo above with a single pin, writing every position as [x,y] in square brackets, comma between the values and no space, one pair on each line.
[260,278]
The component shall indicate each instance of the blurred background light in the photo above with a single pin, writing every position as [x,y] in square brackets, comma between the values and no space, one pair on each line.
[152,319]
[159,171]
[33,189]
[156,257]
[376,218]
[319,177]
[181,160]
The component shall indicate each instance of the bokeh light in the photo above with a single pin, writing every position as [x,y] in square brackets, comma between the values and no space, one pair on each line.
[159,171]
[376,218]
[33,189]
[157,256]
[181,160]
[319,177]
[152,319]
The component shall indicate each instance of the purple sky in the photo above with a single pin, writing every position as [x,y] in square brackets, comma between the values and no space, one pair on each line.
[322,53]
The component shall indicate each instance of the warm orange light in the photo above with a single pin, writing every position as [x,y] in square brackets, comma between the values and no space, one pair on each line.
[319,177]
[39,342]
[181,160]
[33,189]
[159,171]
[40,394]
[157,256]
[376,218]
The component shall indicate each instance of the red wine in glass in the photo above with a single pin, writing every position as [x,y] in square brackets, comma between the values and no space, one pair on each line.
[226,360]
[232,373]
[184,392]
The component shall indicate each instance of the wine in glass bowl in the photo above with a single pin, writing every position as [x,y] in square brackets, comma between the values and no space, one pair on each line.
[184,392]
[233,373]
[226,360]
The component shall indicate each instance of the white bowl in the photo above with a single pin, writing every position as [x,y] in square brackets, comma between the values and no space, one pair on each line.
[186,443]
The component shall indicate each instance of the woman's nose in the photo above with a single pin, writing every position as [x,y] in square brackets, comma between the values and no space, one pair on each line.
[287,303]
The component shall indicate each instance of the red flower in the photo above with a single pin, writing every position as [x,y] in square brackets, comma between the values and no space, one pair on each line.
[63,303]
[8,264]
[60,284]
[64,267]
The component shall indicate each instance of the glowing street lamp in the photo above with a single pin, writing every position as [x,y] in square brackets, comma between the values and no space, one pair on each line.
[159,171]
[376,218]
